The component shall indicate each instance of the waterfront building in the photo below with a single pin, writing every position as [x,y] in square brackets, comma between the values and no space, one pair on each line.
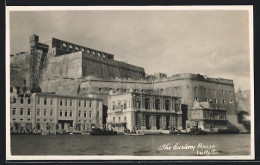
[90,71]
[204,116]
[143,111]
[51,112]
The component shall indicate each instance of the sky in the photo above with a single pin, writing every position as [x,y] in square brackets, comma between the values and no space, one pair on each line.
[213,42]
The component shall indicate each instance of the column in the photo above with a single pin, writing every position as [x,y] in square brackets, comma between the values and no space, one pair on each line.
[180,122]
[163,121]
[75,113]
[175,120]
[172,105]
[141,102]
[143,122]
[153,118]
[152,103]
[161,103]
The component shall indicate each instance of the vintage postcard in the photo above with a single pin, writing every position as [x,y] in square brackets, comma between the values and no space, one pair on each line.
[129,83]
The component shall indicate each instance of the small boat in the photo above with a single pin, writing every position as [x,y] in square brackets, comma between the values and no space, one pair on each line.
[85,133]
[137,133]
[198,131]
[98,131]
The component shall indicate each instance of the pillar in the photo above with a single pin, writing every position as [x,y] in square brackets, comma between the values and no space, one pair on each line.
[163,121]
[143,122]
[179,126]
[153,118]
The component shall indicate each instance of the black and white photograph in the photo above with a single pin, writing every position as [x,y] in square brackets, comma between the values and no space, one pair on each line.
[129,83]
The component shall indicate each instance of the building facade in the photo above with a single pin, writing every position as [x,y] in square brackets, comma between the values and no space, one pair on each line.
[204,116]
[143,111]
[50,112]
[89,71]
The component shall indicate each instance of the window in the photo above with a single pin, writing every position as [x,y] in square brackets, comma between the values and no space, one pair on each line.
[119,118]
[113,107]
[44,119]
[17,90]
[85,103]
[195,88]
[14,111]
[11,89]
[60,102]
[38,112]
[206,90]
[66,113]
[114,119]
[70,102]
[14,100]
[28,111]
[90,114]
[231,101]
[90,104]
[222,91]
[215,90]
[197,98]
[51,101]
[38,119]
[124,105]
[124,118]
[45,112]
[24,89]
[21,111]
[79,113]
[45,101]
[99,89]
[216,101]
[97,113]
[224,101]
[85,114]
[70,113]
[79,103]
[66,102]
[21,100]
[29,101]
[51,112]
[39,100]
[60,112]
[176,88]
[230,92]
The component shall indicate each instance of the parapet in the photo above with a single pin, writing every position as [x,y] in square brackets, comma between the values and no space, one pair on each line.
[198,77]
[61,47]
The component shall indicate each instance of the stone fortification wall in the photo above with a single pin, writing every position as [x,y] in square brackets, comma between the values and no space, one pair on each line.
[19,70]
[106,68]
[80,64]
